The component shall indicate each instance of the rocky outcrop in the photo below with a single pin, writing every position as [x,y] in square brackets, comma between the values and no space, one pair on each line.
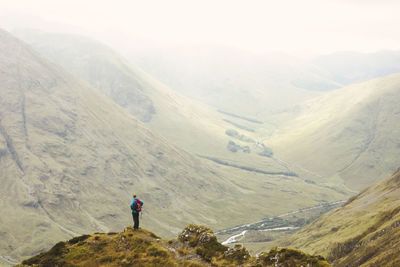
[280,257]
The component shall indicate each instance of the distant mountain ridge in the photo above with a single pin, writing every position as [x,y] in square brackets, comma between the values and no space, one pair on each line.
[350,67]
[234,80]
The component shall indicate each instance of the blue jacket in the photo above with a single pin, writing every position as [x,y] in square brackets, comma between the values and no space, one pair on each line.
[133,202]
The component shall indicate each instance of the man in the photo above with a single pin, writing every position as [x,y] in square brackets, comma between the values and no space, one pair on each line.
[136,207]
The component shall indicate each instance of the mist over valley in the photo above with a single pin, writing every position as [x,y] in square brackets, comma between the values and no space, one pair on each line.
[247,148]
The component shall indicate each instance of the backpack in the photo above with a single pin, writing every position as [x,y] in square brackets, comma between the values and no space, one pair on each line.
[137,206]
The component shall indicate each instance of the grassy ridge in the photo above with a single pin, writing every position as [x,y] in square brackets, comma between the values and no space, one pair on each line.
[364,232]
[195,246]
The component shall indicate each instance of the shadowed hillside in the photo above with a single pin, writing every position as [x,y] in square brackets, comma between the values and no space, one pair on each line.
[364,232]
[195,246]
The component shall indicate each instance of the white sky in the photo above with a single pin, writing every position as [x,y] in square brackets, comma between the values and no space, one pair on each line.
[306,26]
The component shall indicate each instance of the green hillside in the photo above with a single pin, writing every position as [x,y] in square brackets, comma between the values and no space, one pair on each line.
[364,232]
[71,158]
[347,136]
[195,246]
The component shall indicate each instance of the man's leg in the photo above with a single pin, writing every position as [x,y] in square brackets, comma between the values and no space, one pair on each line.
[136,220]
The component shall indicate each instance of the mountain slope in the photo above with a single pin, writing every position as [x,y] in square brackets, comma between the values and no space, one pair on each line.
[349,135]
[71,158]
[364,232]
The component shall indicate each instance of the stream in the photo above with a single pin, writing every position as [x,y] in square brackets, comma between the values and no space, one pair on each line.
[271,224]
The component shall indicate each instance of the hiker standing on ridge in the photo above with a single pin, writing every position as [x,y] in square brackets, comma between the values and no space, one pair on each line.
[136,207]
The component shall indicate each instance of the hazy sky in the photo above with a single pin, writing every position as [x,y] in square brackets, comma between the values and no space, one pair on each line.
[310,26]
